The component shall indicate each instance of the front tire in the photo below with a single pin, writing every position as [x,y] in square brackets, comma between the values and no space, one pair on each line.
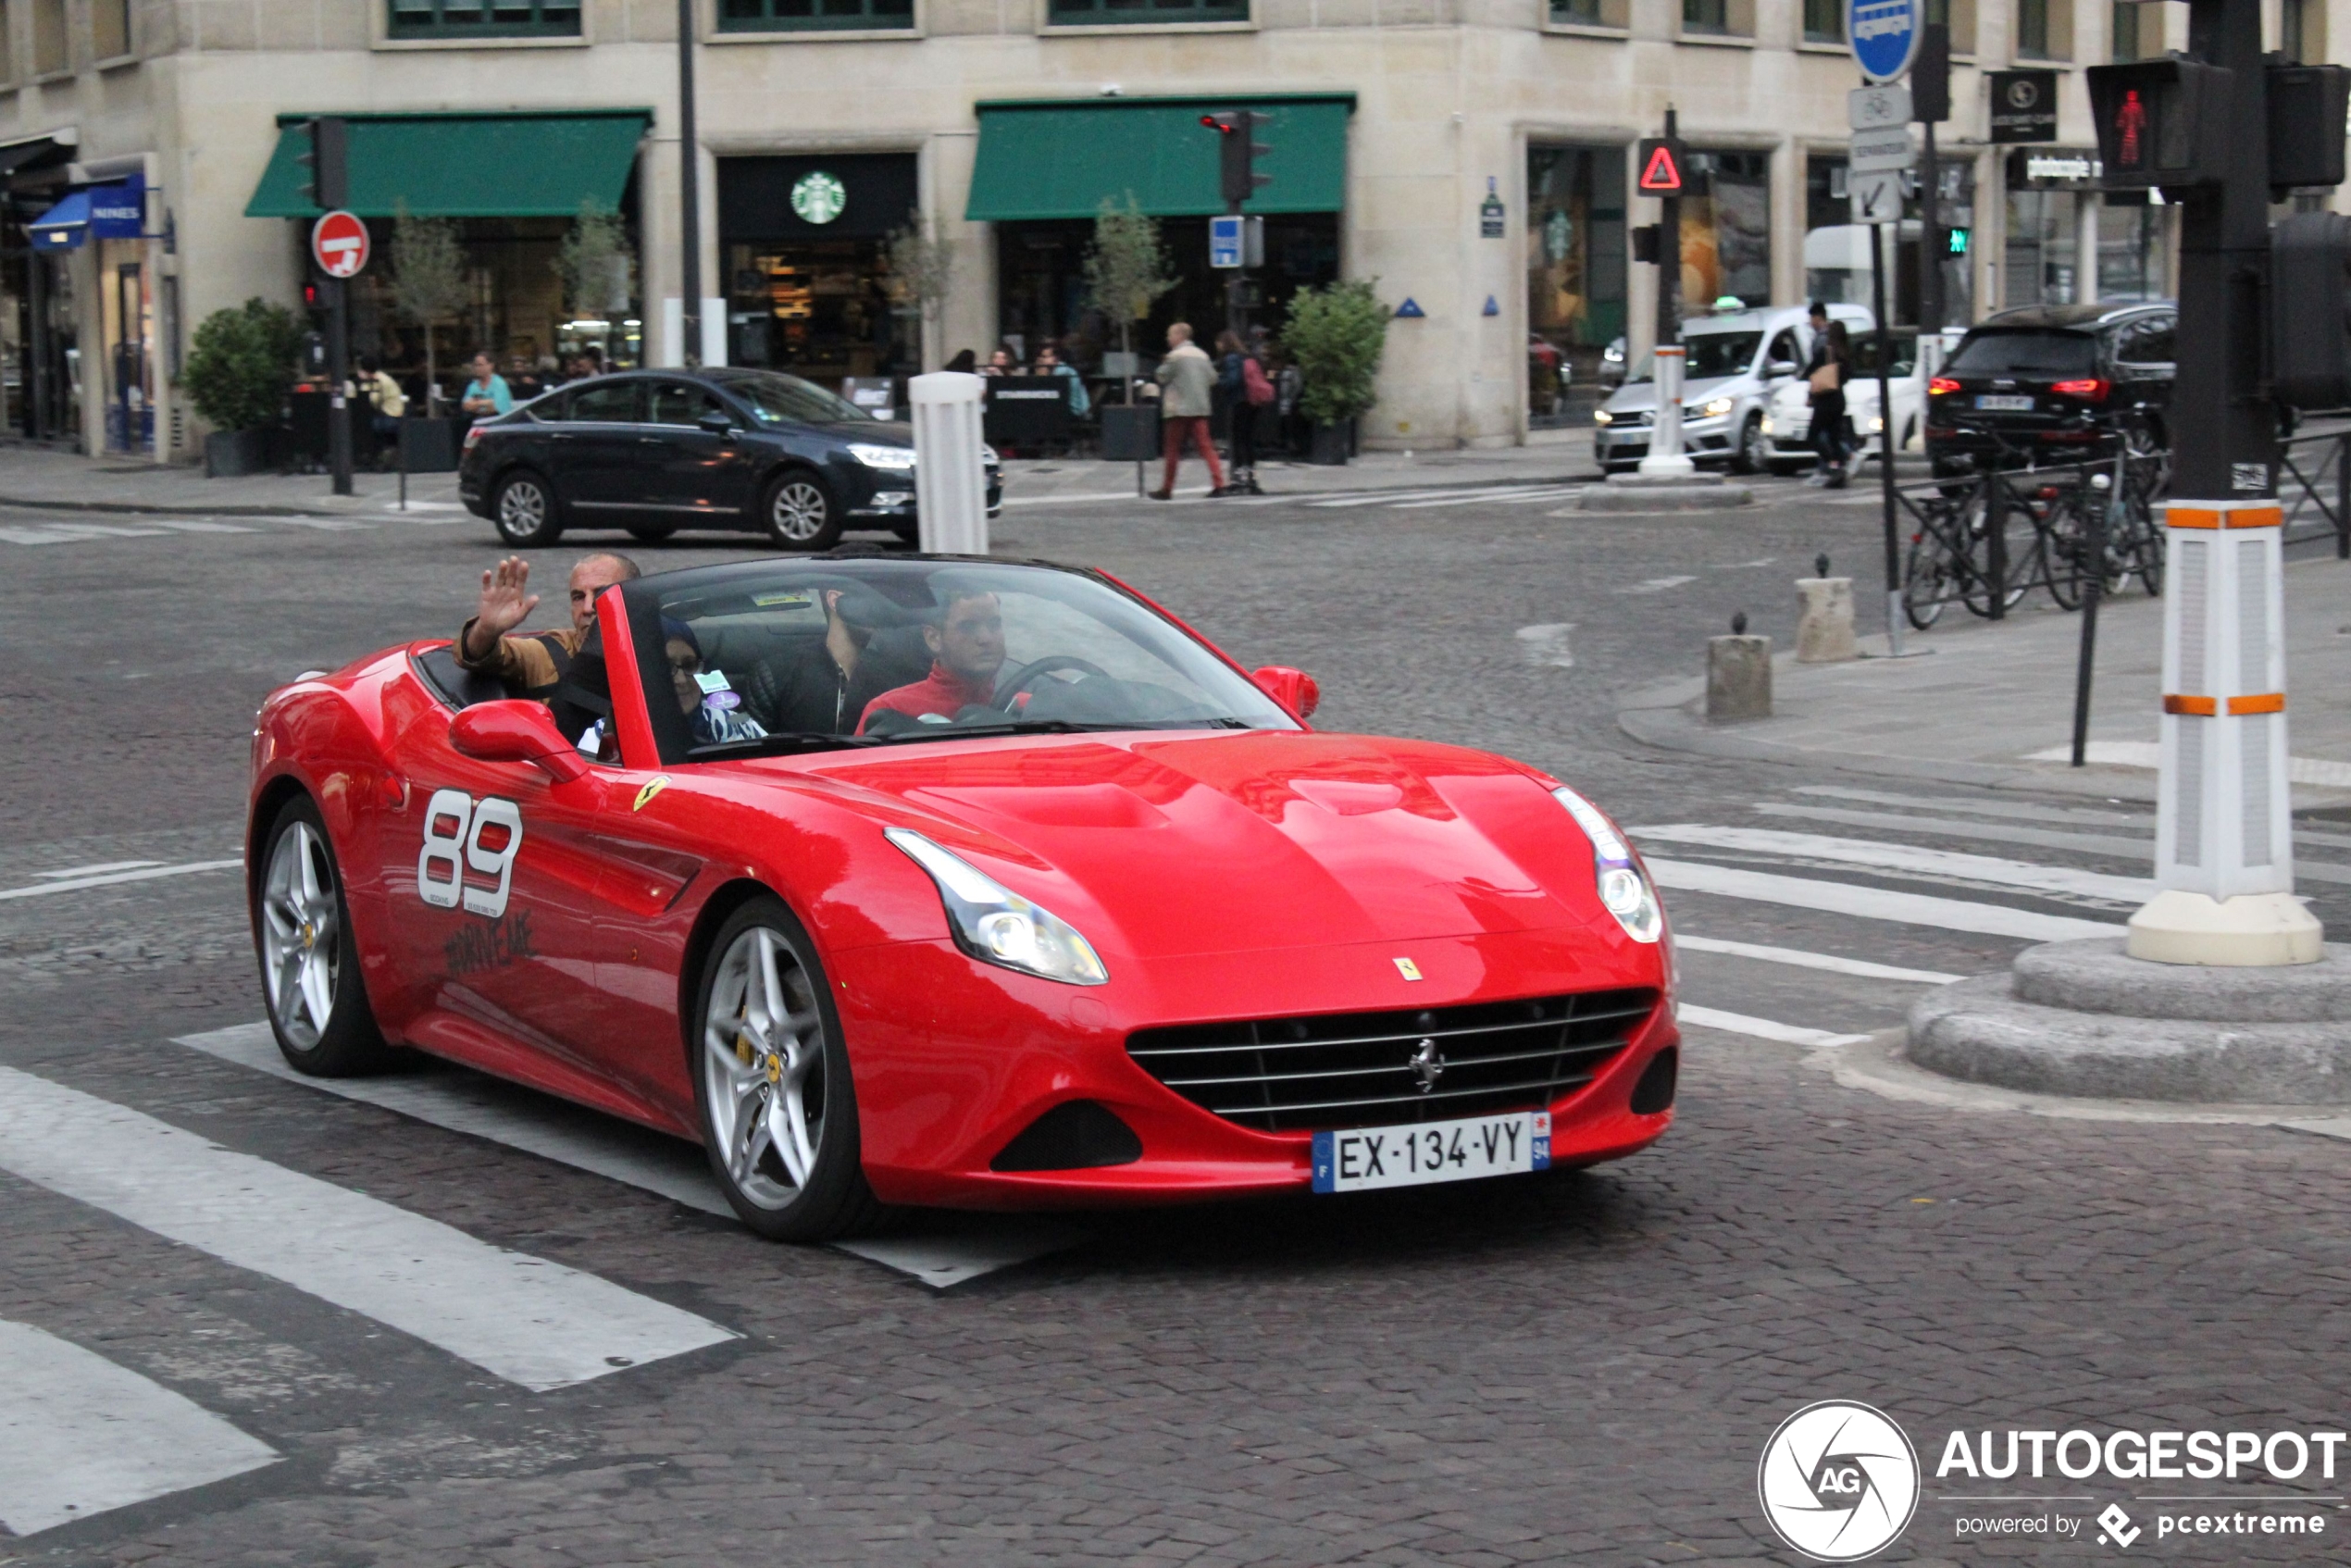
[772,1086]
[1748,458]
[799,511]
[524,510]
[309,963]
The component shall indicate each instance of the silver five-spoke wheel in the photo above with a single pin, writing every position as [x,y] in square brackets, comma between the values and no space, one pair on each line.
[301,931]
[764,1068]
[799,513]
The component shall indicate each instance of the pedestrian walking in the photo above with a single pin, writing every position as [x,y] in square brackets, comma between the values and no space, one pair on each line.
[1187,398]
[1243,384]
[1824,373]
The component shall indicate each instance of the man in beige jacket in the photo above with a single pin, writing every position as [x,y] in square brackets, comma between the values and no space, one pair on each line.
[1190,380]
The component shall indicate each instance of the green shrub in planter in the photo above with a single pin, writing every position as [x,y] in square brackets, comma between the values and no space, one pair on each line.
[1334,336]
[242,364]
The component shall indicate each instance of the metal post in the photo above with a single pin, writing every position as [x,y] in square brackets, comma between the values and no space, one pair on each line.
[1996,545]
[2342,496]
[338,384]
[1669,252]
[688,191]
[2086,660]
[1665,455]
[1886,441]
[1930,240]
[37,299]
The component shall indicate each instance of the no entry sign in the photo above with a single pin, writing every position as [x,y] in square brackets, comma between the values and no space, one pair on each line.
[338,244]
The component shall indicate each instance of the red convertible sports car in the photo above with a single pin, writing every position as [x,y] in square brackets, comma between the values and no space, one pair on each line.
[926,880]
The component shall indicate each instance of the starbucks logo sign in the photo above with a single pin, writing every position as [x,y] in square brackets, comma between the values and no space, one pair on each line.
[819,197]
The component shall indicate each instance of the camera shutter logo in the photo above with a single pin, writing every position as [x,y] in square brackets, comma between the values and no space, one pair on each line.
[1838,1481]
[819,197]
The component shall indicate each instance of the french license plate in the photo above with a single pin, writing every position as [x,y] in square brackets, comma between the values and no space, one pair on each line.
[1363,1158]
[2004,403]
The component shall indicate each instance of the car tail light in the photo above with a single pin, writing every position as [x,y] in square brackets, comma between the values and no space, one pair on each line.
[2093,388]
[1940,385]
[473,434]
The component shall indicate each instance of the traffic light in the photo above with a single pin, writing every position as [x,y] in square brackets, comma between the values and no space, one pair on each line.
[2310,310]
[1931,76]
[1663,163]
[1955,240]
[2304,101]
[325,186]
[1238,151]
[2160,122]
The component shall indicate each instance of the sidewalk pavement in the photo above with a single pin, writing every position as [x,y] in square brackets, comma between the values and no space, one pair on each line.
[1993,703]
[48,481]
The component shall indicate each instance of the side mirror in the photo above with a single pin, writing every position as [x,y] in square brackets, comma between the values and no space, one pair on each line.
[1780,367]
[513,730]
[1294,689]
[716,424]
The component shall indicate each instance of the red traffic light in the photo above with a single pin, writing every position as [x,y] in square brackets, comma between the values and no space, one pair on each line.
[1660,168]
[1219,124]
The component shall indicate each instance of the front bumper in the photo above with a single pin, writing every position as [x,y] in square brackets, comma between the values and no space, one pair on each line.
[888,496]
[955,1059]
[1701,440]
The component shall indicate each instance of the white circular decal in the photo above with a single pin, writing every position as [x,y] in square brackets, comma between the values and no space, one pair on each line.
[819,197]
[1839,1481]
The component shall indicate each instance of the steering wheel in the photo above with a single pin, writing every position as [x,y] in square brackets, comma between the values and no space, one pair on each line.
[1029,674]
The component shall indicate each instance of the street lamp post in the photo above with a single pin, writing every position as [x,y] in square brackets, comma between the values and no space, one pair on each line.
[689,192]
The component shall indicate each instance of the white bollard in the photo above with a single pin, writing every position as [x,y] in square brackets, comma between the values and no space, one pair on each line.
[2224,841]
[1665,459]
[951,477]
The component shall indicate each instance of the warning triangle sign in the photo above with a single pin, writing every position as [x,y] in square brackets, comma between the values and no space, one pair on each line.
[1661,175]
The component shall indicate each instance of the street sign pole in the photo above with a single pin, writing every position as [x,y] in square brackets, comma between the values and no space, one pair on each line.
[1665,458]
[329,188]
[1878,252]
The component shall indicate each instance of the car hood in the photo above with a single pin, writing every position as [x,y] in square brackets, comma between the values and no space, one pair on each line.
[1640,397]
[1233,842]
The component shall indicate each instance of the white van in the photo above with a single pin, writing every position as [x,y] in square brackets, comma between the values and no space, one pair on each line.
[1737,361]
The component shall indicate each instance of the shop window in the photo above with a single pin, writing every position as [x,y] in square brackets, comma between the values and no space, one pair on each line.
[1592,13]
[1095,13]
[1956,17]
[484,19]
[109,29]
[1718,18]
[2123,35]
[1823,21]
[49,37]
[1575,280]
[813,16]
[1726,231]
[2044,30]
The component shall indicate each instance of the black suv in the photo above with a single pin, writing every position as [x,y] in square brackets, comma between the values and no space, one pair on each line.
[2061,381]
[656,451]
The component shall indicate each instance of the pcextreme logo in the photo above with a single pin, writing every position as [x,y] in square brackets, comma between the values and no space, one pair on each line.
[1838,1481]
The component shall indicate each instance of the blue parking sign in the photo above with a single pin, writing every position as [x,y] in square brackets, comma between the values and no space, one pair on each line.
[1883,36]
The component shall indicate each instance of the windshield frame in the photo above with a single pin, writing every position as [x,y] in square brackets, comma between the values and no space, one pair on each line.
[736,382]
[641,599]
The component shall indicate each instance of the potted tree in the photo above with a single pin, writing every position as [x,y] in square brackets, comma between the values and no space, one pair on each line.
[922,271]
[240,368]
[1334,336]
[1127,270]
[429,286]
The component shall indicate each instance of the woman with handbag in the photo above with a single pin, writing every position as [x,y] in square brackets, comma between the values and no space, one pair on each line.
[1831,357]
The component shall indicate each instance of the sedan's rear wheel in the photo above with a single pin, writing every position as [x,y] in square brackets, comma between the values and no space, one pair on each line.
[525,510]
[309,969]
[799,513]
[771,1082]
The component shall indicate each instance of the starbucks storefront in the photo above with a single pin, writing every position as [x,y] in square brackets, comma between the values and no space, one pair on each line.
[805,246]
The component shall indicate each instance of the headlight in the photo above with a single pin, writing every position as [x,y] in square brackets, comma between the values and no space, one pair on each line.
[882,456]
[1602,416]
[1876,425]
[1622,887]
[1767,424]
[997,926]
[1716,408]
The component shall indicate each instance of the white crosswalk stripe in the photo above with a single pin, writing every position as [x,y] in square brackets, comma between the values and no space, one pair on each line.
[79,1435]
[1906,859]
[519,1317]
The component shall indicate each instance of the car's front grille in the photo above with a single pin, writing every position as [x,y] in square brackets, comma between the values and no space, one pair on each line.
[1376,1069]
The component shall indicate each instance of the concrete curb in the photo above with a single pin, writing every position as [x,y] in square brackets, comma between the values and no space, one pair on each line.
[1979,1031]
[143,509]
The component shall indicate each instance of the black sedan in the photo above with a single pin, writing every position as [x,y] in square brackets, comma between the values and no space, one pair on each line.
[2062,381]
[656,451]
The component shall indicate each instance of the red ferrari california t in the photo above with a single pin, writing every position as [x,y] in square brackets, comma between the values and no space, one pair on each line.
[931,881]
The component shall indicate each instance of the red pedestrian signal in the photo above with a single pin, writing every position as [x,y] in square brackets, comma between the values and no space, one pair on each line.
[2130,131]
[1661,168]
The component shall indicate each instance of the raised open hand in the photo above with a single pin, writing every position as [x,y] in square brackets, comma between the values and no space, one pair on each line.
[506,602]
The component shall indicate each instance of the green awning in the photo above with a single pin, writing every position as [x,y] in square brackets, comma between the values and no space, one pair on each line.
[499,165]
[1060,157]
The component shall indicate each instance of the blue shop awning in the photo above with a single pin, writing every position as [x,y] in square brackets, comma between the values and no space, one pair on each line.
[100,212]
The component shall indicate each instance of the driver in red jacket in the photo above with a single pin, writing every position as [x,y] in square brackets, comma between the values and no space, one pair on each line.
[966,646]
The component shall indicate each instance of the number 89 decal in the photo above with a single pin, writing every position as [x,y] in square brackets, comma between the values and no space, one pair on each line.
[486,837]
